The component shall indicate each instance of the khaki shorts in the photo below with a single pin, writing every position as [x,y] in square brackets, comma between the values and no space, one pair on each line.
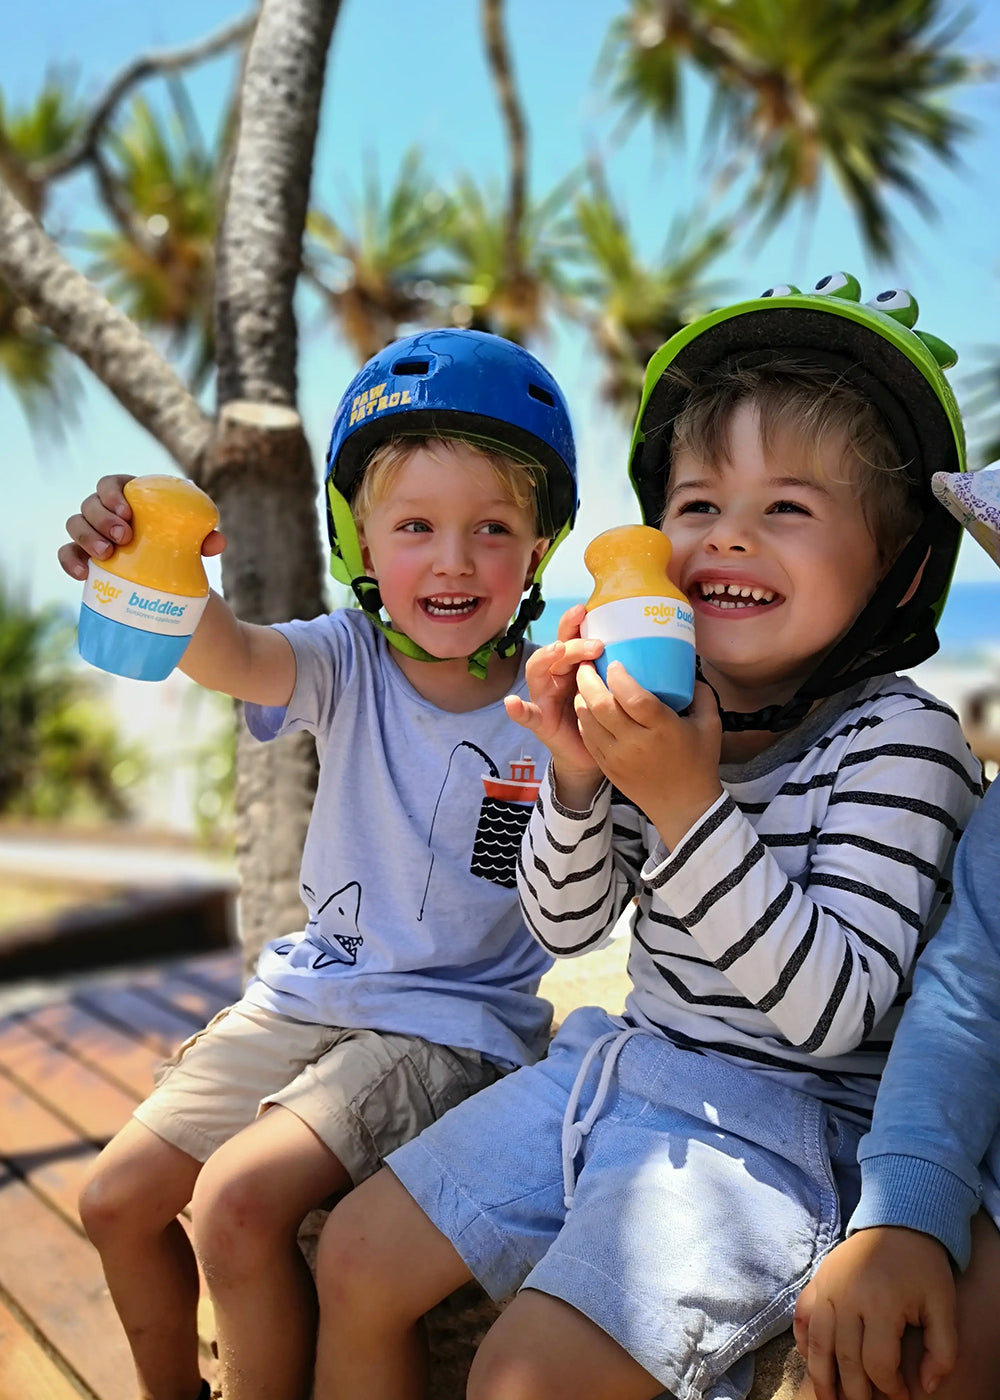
[363,1093]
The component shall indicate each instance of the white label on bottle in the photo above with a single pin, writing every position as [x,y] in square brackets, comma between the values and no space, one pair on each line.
[148,609]
[628,618]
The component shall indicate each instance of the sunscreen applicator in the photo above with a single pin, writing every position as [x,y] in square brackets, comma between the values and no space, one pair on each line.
[643,619]
[140,608]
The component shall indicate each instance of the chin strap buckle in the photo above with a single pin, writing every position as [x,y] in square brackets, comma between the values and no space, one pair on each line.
[366,591]
[530,611]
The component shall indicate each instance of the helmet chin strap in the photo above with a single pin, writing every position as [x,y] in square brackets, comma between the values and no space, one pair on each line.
[882,638]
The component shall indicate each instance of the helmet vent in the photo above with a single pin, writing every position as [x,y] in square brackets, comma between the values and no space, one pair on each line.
[411,367]
[543,395]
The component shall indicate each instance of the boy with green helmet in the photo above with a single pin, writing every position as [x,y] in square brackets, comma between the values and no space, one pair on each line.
[663,1183]
[414,982]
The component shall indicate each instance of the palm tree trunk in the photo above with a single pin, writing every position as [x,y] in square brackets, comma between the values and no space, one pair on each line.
[260,471]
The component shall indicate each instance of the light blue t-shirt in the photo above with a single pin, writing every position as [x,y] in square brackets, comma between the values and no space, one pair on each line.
[408,872]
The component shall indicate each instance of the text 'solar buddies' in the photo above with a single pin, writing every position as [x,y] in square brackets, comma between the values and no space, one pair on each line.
[140,609]
[643,619]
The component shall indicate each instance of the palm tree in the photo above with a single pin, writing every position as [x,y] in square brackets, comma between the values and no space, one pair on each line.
[801,87]
[158,260]
[32,363]
[630,307]
[374,271]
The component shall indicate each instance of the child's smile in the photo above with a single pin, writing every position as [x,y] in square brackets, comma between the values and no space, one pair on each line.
[452,554]
[775,554]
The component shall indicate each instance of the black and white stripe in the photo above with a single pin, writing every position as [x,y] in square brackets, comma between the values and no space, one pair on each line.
[782,930]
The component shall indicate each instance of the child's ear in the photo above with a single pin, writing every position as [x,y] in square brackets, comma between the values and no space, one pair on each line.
[916,581]
[366,557]
[537,555]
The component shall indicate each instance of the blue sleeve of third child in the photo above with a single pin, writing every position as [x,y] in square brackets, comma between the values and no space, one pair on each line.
[938,1105]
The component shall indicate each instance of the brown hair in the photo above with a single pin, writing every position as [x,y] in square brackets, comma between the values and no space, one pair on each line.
[815,405]
[516,479]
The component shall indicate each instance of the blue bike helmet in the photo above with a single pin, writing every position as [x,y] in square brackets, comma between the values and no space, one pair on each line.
[452,383]
[900,370]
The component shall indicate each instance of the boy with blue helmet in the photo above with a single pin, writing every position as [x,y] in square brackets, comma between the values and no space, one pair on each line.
[451,477]
[659,1187]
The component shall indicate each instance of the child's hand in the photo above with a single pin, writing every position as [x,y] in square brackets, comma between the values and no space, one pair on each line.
[849,1321]
[549,714]
[666,763]
[103,524]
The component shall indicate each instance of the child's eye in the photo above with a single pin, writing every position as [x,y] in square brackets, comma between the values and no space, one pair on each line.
[495,527]
[696,508]
[415,527]
[788,507]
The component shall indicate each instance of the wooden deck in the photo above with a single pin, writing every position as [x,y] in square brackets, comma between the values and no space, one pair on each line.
[72,1067]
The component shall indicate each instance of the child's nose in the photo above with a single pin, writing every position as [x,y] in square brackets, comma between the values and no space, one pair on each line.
[730,534]
[453,556]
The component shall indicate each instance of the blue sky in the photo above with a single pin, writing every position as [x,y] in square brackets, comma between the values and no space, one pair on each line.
[401,76]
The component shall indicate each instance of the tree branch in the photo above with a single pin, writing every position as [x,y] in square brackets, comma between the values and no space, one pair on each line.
[78,315]
[498,53]
[164,61]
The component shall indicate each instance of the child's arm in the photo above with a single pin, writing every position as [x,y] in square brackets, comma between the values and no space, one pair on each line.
[824,954]
[937,1112]
[850,1320]
[240,659]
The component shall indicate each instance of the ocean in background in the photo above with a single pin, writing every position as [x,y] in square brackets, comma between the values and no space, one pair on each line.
[969,626]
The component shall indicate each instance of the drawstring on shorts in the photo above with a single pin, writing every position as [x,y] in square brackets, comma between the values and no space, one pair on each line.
[575,1130]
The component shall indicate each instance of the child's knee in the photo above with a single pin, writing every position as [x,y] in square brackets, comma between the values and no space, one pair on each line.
[350,1280]
[500,1373]
[120,1197]
[231,1216]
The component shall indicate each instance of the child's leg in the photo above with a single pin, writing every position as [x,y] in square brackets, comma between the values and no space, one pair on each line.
[543,1349]
[129,1208]
[977,1372]
[381,1265]
[247,1208]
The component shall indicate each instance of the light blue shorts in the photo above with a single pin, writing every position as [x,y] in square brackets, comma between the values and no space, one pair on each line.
[703,1197]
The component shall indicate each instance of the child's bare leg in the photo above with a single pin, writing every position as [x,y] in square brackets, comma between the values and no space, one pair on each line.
[247,1208]
[976,1375]
[381,1266]
[543,1349]
[129,1208]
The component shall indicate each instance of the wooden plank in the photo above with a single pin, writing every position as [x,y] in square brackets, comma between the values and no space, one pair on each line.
[180,995]
[41,1148]
[27,1372]
[78,1094]
[112,1052]
[220,973]
[157,1026]
[54,1278]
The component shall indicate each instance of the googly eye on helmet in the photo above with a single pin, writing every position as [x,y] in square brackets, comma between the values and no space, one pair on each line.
[875,347]
[452,383]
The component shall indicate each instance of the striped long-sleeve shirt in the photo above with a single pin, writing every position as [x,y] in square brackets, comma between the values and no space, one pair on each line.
[782,929]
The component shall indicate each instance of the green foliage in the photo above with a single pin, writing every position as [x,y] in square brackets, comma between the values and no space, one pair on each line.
[798,87]
[59,756]
[632,307]
[158,263]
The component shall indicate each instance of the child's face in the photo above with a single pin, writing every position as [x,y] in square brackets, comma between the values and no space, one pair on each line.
[451,551]
[787,531]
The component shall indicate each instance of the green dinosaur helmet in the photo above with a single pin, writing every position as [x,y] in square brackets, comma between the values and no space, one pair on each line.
[875,347]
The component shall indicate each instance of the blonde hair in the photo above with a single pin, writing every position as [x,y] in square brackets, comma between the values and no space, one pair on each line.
[515,479]
[815,405]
